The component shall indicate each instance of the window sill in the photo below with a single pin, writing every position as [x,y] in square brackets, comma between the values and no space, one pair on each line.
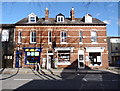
[63,63]
[19,43]
[31,22]
[32,42]
[94,42]
[80,42]
[63,43]
[49,42]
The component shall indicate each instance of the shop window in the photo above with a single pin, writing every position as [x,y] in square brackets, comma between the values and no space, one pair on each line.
[63,37]
[32,57]
[63,56]
[95,58]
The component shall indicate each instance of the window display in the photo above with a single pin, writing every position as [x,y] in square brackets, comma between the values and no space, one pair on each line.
[32,56]
[95,58]
[63,56]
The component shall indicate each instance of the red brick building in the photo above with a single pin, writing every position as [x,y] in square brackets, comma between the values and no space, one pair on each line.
[61,42]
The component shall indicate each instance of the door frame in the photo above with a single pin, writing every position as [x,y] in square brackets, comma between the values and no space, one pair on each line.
[49,63]
[18,60]
[81,52]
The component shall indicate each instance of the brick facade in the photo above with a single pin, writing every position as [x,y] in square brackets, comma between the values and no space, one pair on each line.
[51,52]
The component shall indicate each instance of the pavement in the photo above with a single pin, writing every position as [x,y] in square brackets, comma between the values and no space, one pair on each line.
[115,70]
[17,79]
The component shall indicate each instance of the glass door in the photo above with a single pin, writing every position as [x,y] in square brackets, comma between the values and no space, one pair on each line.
[81,59]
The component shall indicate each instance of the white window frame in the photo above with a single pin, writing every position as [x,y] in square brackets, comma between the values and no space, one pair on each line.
[32,19]
[81,37]
[64,62]
[29,18]
[19,37]
[61,18]
[49,42]
[92,40]
[6,37]
[31,37]
[62,37]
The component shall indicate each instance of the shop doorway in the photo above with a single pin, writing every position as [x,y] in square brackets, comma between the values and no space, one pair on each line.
[50,62]
[81,64]
[18,59]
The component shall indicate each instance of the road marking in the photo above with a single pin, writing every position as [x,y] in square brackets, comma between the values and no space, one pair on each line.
[84,79]
[23,79]
[114,80]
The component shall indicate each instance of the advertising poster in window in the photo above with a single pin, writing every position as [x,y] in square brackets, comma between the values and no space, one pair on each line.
[32,57]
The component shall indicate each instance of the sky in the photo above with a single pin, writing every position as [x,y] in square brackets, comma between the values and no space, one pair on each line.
[12,12]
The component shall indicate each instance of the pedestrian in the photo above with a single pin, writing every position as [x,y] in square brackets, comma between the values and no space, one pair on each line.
[37,66]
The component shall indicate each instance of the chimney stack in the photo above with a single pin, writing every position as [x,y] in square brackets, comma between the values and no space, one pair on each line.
[46,14]
[72,14]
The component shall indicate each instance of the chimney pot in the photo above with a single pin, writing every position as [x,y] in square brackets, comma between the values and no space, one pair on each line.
[46,14]
[72,14]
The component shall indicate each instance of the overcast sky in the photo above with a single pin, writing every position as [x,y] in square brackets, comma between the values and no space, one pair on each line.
[12,12]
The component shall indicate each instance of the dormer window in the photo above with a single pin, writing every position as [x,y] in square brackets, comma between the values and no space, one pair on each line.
[60,18]
[32,18]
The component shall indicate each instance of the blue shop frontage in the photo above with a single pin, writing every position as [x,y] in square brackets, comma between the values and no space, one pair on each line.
[28,57]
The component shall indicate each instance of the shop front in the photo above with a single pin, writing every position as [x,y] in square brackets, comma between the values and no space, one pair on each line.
[95,56]
[32,55]
[60,57]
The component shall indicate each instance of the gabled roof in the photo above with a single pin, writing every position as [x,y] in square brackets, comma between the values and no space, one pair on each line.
[32,14]
[52,21]
[60,14]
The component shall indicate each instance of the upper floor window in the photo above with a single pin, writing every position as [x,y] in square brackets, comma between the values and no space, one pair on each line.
[93,36]
[63,36]
[60,18]
[81,36]
[5,35]
[19,37]
[49,37]
[32,18]
[32,37]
